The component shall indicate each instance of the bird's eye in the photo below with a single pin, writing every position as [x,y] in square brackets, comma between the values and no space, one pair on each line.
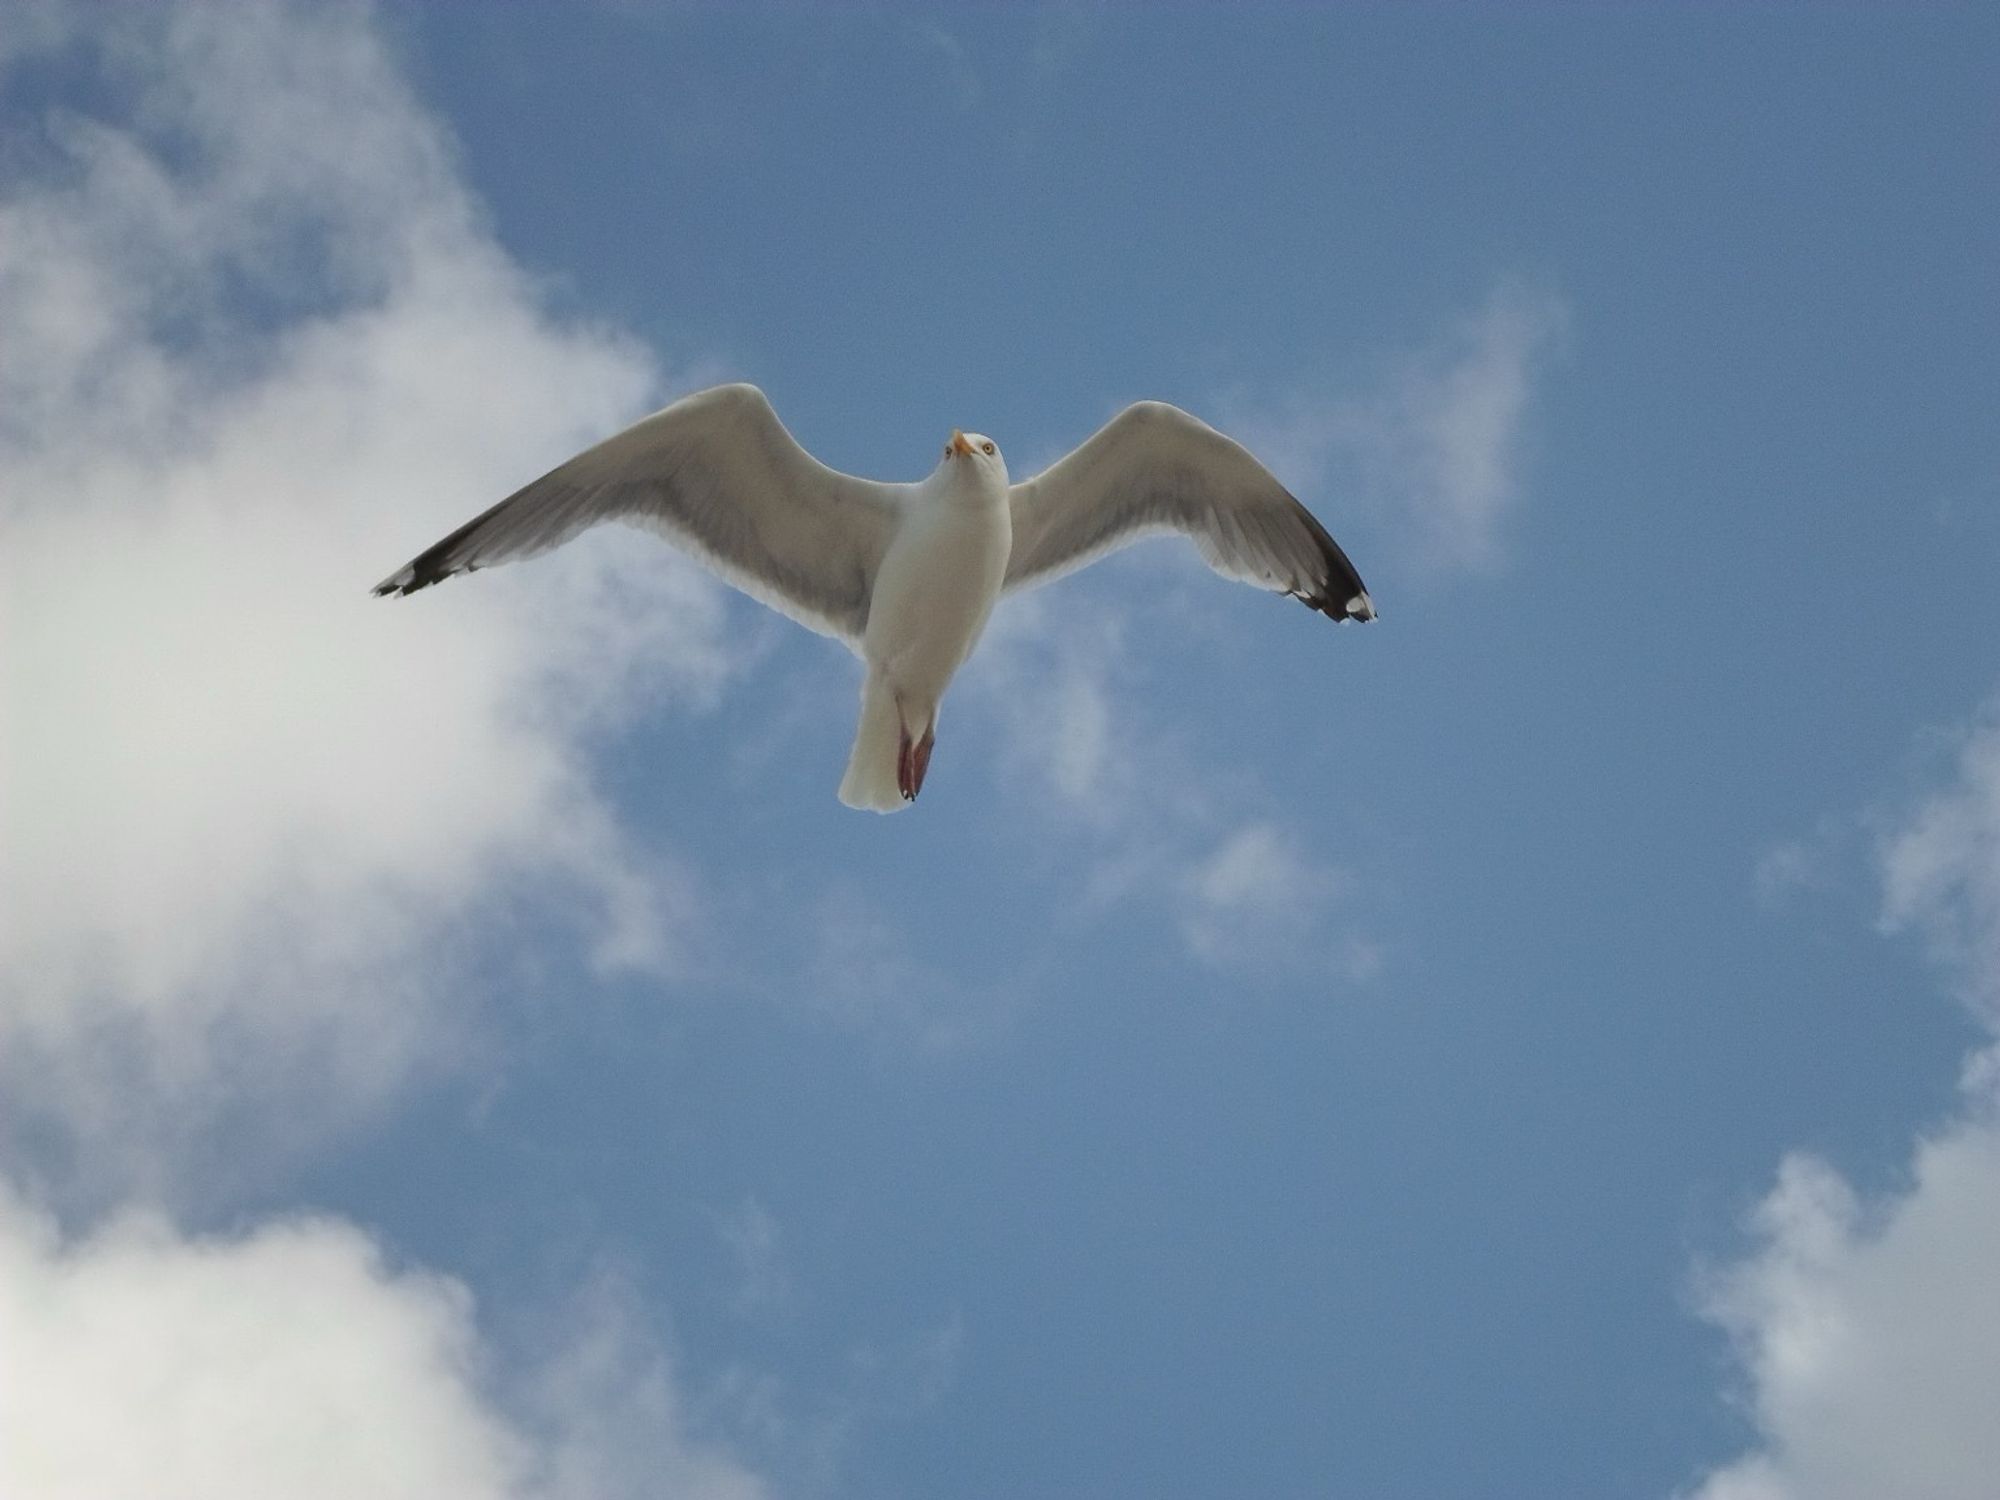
[989,449]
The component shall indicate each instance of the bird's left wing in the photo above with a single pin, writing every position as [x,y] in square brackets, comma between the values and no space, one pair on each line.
[1153,468]
[717,473]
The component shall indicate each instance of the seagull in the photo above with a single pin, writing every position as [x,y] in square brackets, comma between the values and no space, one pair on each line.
[907,574]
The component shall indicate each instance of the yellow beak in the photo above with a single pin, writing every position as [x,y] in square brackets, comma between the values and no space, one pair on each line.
[959,445]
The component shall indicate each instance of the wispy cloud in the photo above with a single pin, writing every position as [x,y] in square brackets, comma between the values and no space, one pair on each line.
[750,1233]
[1941,868]
[1867,1332]
[957,58]
[1260,903]
[295,1360]
[1431,444]
[1112,780]
[607,1415]
[1790,867]
[861,973]
[260,348]
[1428,447]
[1064,34]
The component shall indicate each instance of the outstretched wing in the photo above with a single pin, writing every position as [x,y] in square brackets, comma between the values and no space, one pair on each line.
[1153,468]
[717,473]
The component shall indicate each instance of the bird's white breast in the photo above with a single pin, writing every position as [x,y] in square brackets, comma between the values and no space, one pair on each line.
[938,583]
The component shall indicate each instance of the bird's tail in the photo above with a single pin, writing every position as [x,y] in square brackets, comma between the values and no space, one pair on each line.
[871,781]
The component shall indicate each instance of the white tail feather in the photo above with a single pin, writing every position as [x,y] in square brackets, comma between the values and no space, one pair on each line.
[870,781]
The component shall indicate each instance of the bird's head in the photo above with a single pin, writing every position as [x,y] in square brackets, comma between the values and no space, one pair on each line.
[973,460]
[974,449]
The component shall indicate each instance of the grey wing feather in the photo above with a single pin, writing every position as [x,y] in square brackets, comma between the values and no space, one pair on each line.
[1153,468]
[717,473]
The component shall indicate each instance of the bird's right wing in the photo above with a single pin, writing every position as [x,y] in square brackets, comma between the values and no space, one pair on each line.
[717,473]
[1153,468]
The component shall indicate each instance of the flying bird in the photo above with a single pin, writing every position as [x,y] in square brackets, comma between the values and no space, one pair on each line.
[907,574]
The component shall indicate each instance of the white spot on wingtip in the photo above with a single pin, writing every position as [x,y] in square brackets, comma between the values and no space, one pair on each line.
[1361,607]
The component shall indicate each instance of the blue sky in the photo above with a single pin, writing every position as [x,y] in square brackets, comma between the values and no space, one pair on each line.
[1541,1043]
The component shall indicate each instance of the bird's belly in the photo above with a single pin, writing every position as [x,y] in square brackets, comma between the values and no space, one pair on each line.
[932,598]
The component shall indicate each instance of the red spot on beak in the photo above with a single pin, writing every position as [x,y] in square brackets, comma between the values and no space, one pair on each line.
[959,444]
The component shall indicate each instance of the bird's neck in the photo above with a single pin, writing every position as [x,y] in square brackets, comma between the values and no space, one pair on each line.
[963,487]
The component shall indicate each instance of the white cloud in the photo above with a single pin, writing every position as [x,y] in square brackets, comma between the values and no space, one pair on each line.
[1433,446]
[294,1360]
[259,350]
[1868,1332]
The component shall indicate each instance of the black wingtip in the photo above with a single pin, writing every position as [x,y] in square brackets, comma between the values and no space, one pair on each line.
[1342,596]
[408,581]
[420,573]
[1358,607]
